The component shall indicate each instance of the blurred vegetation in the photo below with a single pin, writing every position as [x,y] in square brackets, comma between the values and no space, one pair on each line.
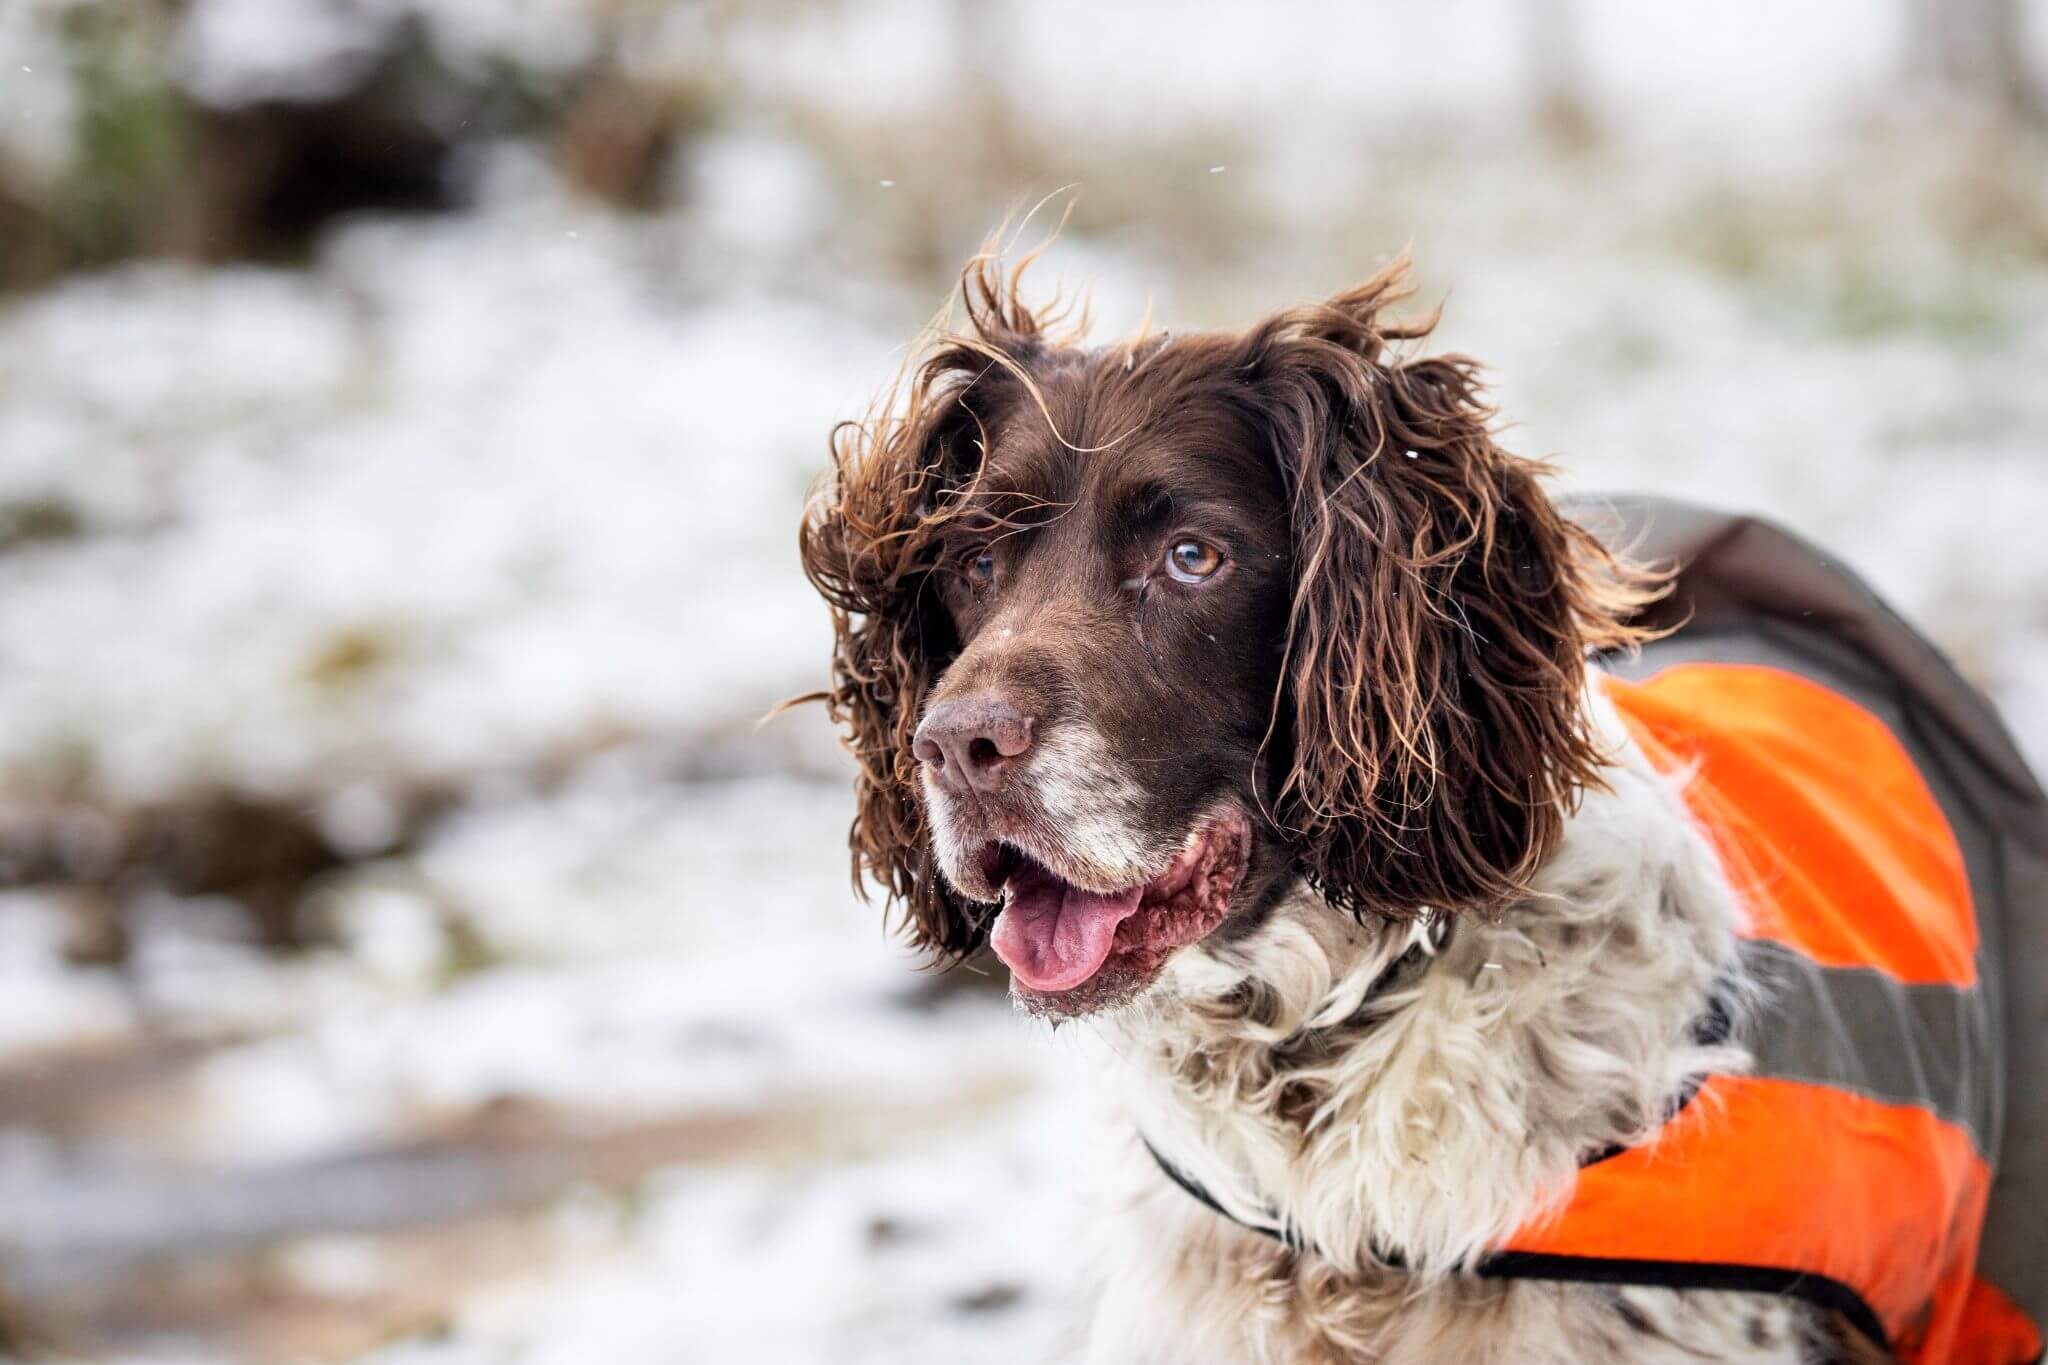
[34,521]
[155,170]
[132,132]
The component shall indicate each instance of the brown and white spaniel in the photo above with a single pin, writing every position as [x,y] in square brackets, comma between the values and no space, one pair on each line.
[1234,689]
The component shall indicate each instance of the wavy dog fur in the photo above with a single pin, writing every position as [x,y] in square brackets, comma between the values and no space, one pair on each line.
[1426,729]
[1442,615]
[1418,1121]
[1426,759]
[872,535]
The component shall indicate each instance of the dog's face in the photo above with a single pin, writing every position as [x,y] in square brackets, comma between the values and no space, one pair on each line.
[1132,640]
[1091,756]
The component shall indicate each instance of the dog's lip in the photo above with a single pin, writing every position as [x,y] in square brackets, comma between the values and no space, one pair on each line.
[995,860]
[1081,933]
[999,861]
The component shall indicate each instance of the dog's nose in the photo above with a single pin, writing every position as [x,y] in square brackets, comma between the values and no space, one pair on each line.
[968,742]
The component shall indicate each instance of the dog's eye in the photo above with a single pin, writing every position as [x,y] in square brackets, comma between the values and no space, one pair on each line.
[1191,561]
[981,568]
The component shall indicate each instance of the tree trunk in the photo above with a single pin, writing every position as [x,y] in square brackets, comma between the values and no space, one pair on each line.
[1972,51]
[1557,72]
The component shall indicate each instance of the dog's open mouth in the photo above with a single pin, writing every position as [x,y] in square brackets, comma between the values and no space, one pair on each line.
[1055,936]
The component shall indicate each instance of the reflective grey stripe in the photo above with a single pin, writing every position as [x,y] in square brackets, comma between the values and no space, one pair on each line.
[1858,1029]
[1932,1045]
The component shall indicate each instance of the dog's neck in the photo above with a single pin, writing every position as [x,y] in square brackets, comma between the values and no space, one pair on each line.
[1427,1113]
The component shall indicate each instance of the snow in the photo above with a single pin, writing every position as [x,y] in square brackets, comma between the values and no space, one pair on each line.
[491,516]
[481,447]
[232,52]
[40,1002]
[36,99]
[957,1252]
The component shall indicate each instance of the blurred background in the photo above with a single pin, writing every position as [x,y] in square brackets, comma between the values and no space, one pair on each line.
[411,950]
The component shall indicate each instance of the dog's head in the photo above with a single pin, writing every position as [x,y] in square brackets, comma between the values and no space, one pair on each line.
[1132,639]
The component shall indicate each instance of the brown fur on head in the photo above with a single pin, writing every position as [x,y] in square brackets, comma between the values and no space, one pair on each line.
[1419,685]
[871,536]
[1443,611]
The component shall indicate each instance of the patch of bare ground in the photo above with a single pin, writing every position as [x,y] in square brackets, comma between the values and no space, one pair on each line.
[323,1259]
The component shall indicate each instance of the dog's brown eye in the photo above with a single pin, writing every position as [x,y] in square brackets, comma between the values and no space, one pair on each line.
[1191,561]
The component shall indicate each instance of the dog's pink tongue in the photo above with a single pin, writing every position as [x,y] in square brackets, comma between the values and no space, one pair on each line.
[1053,936]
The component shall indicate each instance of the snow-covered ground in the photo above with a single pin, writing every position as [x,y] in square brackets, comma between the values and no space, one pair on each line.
[472,543]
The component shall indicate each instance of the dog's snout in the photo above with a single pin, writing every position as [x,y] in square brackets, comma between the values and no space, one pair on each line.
[967,742]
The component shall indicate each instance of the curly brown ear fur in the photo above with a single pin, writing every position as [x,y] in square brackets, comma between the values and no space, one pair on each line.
[1431,703]
[873,531]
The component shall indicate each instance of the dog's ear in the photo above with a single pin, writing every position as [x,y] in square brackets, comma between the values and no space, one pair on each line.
[1430,731]
[872,534]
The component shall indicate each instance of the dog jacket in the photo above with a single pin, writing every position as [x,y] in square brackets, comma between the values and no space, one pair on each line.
[1890,852]
[1889,848]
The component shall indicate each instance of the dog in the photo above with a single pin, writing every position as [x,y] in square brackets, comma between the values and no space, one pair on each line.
[1253,704]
